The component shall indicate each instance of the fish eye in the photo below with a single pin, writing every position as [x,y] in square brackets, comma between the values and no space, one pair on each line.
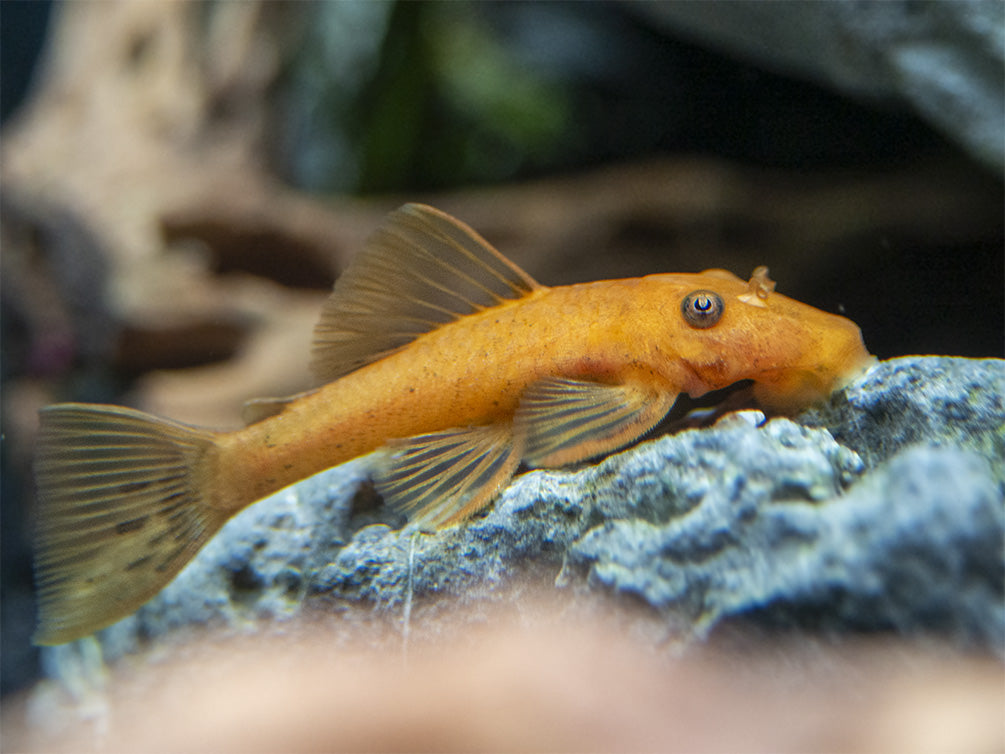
[702,309]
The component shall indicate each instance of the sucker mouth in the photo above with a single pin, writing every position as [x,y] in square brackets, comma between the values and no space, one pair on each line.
[863,365]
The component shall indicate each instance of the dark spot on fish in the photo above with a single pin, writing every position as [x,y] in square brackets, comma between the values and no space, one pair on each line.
[129,489]
[133,524]
[175,501]
[287,466]
[165,564]
[140,563]
[158,540]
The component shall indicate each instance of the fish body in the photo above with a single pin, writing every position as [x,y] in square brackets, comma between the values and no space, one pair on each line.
[474,372]
[438,349]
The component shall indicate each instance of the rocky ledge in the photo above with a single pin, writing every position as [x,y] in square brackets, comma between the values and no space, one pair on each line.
[883,511]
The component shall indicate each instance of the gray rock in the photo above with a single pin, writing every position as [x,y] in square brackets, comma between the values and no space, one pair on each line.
[545,513]
[897,527]
[915,547]
[918,399]
[944,59]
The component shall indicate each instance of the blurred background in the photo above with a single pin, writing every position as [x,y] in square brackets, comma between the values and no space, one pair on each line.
[181,183]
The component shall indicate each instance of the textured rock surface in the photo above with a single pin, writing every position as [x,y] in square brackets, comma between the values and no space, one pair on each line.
[937,401]
[945,59]
[915,547]
[900,528]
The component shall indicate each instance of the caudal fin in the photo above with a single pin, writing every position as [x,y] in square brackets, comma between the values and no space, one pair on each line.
[123,506]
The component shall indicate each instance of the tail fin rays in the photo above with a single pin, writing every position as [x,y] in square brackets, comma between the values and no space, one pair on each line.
[123,506]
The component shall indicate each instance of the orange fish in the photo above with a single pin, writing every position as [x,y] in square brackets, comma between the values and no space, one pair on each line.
[437,348]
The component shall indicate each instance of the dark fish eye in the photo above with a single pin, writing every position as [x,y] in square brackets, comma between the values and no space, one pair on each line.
[702,309]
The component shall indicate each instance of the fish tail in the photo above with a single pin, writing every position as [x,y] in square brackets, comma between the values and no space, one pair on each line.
[125,500]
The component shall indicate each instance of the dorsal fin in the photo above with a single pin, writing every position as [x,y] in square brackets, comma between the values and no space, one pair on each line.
[419,270]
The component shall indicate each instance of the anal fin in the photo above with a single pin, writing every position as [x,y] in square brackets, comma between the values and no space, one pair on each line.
[564,420]
[442,478]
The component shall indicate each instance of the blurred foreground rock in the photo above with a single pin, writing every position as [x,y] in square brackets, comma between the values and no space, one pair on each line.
[523,681]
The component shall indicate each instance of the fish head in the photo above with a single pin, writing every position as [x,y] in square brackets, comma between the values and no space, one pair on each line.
[728,330]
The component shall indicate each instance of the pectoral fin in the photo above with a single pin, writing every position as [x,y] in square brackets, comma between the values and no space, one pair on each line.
[443,477]
[564,421]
